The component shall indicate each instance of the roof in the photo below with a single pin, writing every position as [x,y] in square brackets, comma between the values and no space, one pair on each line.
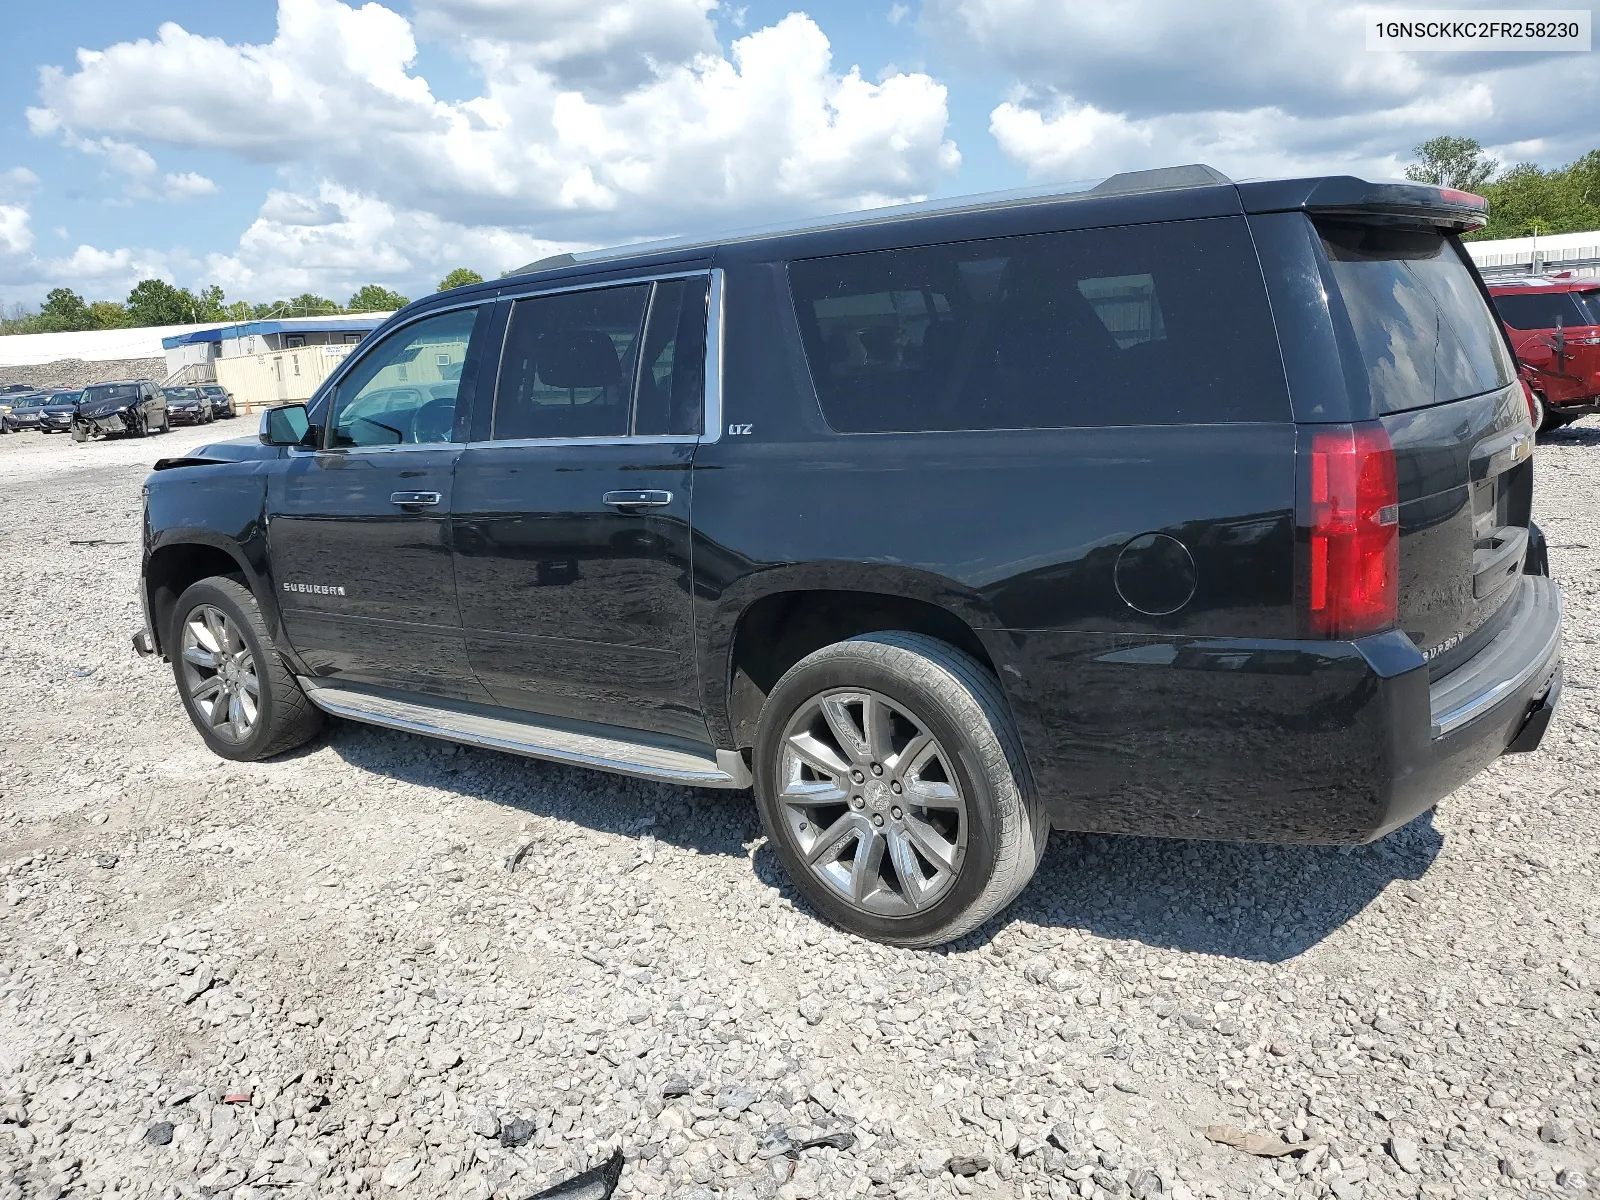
[364,323]
[1209,190]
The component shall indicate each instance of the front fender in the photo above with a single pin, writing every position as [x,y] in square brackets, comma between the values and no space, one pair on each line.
[220,506]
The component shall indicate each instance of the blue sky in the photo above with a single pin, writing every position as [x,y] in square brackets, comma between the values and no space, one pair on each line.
[319,144]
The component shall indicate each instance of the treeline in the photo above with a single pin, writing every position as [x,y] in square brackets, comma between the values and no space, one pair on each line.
[1523,198]
[156,302]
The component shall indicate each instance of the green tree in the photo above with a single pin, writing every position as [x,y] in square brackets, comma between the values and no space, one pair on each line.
[107,314]
[374,298]
[212,303]
[308,305]
[460,277]
[156,302]
[239,310]
[64,311]
[1453,162]
[1526,200]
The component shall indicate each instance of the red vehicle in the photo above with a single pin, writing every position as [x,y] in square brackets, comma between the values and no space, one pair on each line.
[1555,329]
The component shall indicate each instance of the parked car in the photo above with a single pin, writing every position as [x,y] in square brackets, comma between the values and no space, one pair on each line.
[135,407]
[1175,507]
[60,407]
[26,410]
[221,399]
[16,387]
[1555,329]
[188,406]
[6,400]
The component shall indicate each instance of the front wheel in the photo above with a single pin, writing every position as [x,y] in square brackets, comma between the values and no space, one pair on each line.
[237,690]
[892,786]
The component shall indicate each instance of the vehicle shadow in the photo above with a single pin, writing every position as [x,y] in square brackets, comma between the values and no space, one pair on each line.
[1583,433]
[1263,903]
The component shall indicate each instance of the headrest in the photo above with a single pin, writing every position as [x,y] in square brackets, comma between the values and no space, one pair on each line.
[577,358]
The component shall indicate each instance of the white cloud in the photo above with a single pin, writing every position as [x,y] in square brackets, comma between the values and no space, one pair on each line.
[16,238]
[696,136]
[1253,87]
[17,183]
[587,44]
[139,170]
[1065,139]
[337,240]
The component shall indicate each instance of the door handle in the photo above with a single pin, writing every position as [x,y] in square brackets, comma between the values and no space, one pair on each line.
[636,499]
[414,499]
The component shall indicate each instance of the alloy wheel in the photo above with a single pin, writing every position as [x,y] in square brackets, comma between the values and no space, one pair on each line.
[872,802]
[219,673]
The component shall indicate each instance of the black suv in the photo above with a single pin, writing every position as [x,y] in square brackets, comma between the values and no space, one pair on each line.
[1172,507]
[136,407]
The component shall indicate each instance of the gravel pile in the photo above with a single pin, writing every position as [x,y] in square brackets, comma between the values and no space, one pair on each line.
[74,372]
[388,967]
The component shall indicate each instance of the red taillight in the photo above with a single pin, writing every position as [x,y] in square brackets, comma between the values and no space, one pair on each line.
[1354,582]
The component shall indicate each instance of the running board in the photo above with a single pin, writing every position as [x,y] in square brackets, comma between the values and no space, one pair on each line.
[595,746]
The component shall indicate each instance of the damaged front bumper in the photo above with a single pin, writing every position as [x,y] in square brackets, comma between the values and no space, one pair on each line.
[106,424]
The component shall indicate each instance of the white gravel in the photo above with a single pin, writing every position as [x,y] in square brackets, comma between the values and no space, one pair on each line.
[336,937]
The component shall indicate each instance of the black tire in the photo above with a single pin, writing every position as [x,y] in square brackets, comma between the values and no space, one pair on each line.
[1541,414]
[285,718]
[960,703]
[1556,420]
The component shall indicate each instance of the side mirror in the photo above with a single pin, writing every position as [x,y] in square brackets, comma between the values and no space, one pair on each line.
[286,425]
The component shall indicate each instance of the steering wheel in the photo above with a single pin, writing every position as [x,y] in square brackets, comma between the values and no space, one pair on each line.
[435,421]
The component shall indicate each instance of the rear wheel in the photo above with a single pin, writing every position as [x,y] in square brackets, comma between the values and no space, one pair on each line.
[891,783]
[237,690]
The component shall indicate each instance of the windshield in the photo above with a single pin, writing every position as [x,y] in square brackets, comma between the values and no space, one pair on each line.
[1425,334]
[65,397]
[102,392]
[181,394]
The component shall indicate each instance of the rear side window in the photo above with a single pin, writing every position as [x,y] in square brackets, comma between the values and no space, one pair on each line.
[568,366]
[1424,332]
[1547,310]
[1147,324]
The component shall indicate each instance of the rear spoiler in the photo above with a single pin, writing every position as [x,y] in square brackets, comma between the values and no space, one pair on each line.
[1345,195]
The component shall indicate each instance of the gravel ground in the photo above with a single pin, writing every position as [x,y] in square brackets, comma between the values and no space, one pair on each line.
[318,976]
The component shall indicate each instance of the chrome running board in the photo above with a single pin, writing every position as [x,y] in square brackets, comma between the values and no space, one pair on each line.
[601,747]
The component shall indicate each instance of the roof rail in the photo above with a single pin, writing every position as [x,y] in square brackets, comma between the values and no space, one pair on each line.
[1161,179]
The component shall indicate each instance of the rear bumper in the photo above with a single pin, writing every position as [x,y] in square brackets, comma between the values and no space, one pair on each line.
[1271,740]
[1498,702]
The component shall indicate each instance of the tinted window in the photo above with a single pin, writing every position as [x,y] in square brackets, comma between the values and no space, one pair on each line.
[403,391]
[1152,324]
[1546,310]
[671,396]
[1424,332]
[568,365]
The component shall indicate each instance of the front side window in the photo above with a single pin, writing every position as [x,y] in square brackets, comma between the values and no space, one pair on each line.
[1152,324]
[403,390]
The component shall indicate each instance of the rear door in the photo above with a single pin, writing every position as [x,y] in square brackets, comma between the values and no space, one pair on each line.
[571,509]
[359,530]
[1420,333]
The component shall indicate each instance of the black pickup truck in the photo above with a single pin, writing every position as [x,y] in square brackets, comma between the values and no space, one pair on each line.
[1175,506]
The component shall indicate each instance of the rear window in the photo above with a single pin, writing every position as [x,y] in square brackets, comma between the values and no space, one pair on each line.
[1420,322]
[1547,310]
[1149,324]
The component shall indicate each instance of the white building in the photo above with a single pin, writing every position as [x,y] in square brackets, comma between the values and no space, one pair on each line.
[1546,254]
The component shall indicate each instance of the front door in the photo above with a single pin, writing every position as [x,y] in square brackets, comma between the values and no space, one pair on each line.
[571,516]
[359,530]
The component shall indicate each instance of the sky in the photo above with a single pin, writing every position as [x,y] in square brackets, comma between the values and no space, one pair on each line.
[319,145]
